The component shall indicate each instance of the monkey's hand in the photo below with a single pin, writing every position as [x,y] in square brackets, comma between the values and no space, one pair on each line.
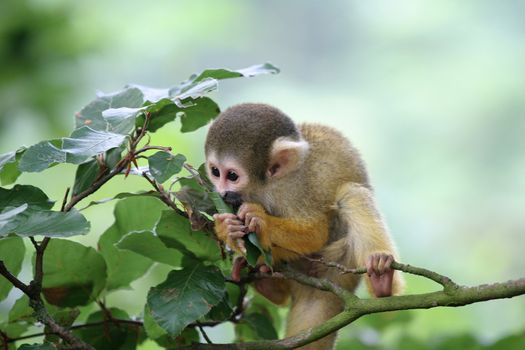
[380,273]
[256,219]
[230,230]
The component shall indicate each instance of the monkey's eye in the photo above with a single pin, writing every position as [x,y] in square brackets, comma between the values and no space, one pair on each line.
[215,172]
[232,176]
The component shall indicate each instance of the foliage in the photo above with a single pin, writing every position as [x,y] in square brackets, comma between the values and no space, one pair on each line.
[168,225]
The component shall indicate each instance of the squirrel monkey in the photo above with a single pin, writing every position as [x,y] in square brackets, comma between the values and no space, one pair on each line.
[305,192]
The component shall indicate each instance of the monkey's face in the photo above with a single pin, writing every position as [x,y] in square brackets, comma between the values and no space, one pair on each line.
[229,178]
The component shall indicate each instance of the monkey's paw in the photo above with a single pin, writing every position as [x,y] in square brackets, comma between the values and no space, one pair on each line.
[256,219]
[380,273]
[230,230]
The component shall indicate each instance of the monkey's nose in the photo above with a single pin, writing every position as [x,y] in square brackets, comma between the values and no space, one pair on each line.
[234,199]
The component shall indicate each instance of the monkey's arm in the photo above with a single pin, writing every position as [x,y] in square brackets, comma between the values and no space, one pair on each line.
[369,239]
[288,237]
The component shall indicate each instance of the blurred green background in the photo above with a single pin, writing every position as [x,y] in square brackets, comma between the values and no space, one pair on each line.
[431,92]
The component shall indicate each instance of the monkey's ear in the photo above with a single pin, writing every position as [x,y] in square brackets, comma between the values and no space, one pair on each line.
[286,156]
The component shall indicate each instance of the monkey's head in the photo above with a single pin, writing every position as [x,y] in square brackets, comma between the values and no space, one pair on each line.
[250,146]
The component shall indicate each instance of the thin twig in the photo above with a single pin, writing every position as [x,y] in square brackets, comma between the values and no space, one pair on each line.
[445,281]
[36,284]
[208,340]
[64,201]
[13,279]
[33,241]
[149,148]
[5,340]
[80,326]
[164,196]
[343,269]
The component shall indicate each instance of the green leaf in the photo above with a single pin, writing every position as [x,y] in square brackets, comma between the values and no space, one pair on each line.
[9,219]
[252,251]
[91,115]
[74,275]
[21,311]
[193,90]
[41,156]
[145,243]
[251,71]
[86,142]
[175,231]
[259,326]
[8,157]
[13,330]
[121,120]
[220,312]
[222,208]
[113,156]
[85,175]
[185,296]
[251,239]
[24,194]
[32,222]
[9,171]
[123,266]
[17,211]
[152,328]
[110,335]
[198,114]
[161,337]
[131,214]
[150,94]
[161,113]
[12,252]
[194,112]
[163,165]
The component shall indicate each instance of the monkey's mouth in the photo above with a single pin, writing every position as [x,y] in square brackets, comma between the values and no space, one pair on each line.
[233,199]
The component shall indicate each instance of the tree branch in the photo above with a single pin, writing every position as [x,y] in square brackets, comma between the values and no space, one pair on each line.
[452,295]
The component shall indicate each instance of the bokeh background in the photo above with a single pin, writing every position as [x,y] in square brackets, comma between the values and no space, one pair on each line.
[431,92]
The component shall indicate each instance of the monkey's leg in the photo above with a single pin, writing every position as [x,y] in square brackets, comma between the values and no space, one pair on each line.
[311,307]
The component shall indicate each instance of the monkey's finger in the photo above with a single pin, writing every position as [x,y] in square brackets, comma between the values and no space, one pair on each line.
[242,211]
[381,264]
[236,234]
[240,245]
[370,266]
[389,261]
[249,221]
[254,225]
[235,228]
[231,221]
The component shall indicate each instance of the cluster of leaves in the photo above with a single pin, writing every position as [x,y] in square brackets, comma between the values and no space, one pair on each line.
[157,226]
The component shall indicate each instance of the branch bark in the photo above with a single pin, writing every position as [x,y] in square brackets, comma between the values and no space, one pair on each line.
[452,295]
